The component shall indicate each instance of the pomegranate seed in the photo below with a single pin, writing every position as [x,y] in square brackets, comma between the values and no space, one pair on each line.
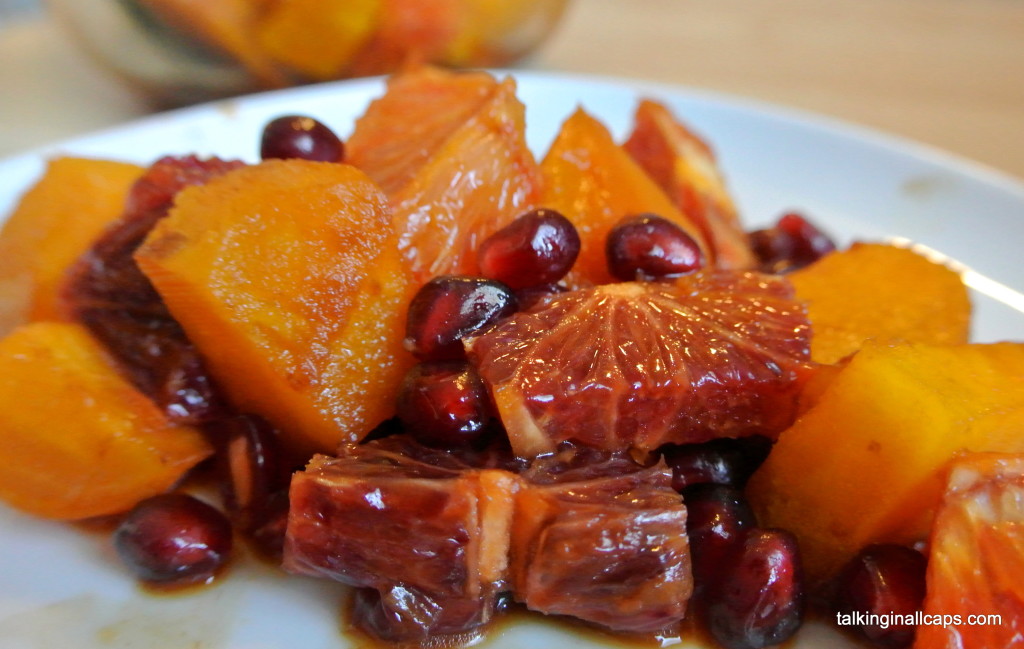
[794,242]
[267,536]
[296,136]
[646,247]
[446,309]
[444,403]
[721,461]
[537,248]
[882,579]
[760,598]
[717,520]
[174,539]
[252,469]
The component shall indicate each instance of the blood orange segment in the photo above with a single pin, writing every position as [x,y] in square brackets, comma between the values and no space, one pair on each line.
[716,354]
[403,129]
[477,182]
[976,561]
[685,167]
[594,183]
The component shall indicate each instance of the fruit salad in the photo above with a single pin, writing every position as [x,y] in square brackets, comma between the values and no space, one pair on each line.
[459,377]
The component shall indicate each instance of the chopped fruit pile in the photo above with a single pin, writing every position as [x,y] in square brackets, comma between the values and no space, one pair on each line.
[424,365]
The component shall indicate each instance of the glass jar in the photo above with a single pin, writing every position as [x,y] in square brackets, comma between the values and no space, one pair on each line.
[182,51]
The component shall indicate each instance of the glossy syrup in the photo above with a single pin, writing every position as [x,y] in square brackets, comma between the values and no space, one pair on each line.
[507,628]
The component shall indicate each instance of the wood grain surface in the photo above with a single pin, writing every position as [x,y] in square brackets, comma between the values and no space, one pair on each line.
[949,73]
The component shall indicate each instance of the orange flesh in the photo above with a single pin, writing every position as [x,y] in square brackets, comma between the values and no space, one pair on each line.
[403,129]
[594,183]
[226,25]
[976,559]
[409,31]
[479,180]
[684,166]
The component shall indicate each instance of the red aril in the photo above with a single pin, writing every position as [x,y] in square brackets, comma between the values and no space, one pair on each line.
[174,539]
[759,601]
[536,249]
[646,246]
[448,308]
[298,136]
[883,578]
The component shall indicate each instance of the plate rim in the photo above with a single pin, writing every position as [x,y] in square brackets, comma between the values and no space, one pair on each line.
[891,143]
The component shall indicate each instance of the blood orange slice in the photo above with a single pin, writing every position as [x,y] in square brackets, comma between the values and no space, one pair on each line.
[716,354]
[975,595]
[449,150]
[477,182]
[401,130]
[685,167]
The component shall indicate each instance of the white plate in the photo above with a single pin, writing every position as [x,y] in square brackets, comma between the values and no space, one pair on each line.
[63,588]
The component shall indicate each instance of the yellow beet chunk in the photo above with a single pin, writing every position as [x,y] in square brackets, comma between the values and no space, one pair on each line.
[76,439]
[287,277]
[865,464]
[53,224]
[883,293]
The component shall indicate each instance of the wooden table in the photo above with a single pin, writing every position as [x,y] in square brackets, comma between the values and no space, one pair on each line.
[949,73]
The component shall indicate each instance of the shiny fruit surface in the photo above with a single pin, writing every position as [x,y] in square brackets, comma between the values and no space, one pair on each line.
[718,354]
[298,136]
[174,539]
[536,249]
[976,560]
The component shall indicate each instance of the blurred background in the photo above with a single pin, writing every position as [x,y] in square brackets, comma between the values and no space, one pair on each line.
[948,73]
